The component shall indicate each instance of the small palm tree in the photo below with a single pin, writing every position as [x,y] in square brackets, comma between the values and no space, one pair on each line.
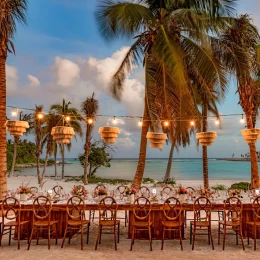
[11,12]
[89,107]
[26,117]
[74,121]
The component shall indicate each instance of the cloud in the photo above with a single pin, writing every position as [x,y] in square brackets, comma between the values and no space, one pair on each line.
[11,80]
[66,72]
[33,81]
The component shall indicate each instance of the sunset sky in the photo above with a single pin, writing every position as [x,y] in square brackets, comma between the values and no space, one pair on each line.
[60,54]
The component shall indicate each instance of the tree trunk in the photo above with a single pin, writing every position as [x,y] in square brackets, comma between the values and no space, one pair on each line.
[169,165]
[3,168]
[205,149]
[253,155]
[55,159]
[85,180]
[16,142]
[142,154]
[44,170]
[63,161]
[38,168]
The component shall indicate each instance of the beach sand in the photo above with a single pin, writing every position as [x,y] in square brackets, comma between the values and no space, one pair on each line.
[140,249]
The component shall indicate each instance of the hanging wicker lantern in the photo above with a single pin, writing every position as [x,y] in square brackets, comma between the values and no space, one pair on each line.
[16,128]
[251,135]
[156,139]
[206,138]
[109,134]
[62,134]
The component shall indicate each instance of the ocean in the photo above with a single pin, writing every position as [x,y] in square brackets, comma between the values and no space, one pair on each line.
[182,169]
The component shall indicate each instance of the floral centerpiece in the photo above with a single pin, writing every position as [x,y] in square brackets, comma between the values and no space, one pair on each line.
[24,191]
[182,190]
[100,191]
[130,191]
[79,190]
[206,192]
[234,192]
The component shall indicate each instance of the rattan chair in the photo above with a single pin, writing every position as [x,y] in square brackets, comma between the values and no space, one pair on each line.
[144,192]
[57,191]
[108,219]
[167,191]
[92,212]
[232,222]
[11,218]
[75,219]
[33,190]
[141,219]
[253,225]
[121,191]
[42,219]
[202,220]
[172,218]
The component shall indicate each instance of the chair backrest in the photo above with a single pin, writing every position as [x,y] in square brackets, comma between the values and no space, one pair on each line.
[107,209]
[202,209]
[256,208]
[42,208]
[33,190]
[142,209]
[144,192]
[120,189]
[191,190]
[172,209]
[75,208]
[233,209]
[99,186]
[167,190]
[11,209]
[57,190]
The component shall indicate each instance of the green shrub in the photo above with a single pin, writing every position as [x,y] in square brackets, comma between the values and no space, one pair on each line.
[241,186]
[219,187]
[171,181]
[148,180]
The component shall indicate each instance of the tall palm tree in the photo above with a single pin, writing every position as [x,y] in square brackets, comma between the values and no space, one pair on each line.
[64,110]
[11,12]
[238,48]
[25,117]
[168,36]
[89,107]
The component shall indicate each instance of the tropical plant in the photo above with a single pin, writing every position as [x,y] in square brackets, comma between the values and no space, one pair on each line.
[170,35]
[89,107]
[25,117]
[11,12]
[238,48]
[69,116]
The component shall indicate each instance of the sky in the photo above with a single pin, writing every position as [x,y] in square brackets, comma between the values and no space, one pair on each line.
[61,54]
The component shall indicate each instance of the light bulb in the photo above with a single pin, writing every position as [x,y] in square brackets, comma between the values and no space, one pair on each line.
[114,120]
[192,123]
[40,116]
[14,113]
[166,123]
[242,120]
[67,118]
[217,122]
[90,121]
[140,123]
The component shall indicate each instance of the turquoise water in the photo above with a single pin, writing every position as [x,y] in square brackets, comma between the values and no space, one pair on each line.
[182,169]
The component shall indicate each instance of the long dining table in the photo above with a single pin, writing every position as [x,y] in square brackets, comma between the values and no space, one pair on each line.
[59,213]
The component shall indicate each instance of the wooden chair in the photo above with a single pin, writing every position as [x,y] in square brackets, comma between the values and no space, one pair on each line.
[232,220]
[141,218]
[107,219]
[92,212]
[201,221]
[11,209]
[167,191]
[75,219]
[144,192]
[253,225]
[42,219]
[121,191]
[173,220]
[57,190]
[34,190]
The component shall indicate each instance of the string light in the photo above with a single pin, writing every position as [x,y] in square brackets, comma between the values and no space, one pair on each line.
[40,116]
[192,123]
[114,120]
[217,122]
[242,120]
[166,123]
[90,121]
[14,113]
[67,118]
[140,123]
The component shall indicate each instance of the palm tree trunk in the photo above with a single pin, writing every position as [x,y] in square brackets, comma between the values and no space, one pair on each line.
[3,184]
[63,161]
[16,142]
[85,180]
[44,170]
[142,154]
[169,165]
[38,168]
[205,149]
[253,155]
[55,159]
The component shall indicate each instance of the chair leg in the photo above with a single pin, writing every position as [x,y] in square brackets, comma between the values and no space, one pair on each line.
[125,217]
[212,244]
[49,237]
[81,237]
[56,226]
[115,228]
[218,233]
[241,236]
[163,237]
[224,237]
[88,233]
[150,237]
[118,232]
[64,237]
[18,235]
[254,238]
[180,238]
[190,233]
[10,234]
[100,234]
[98,237]
[30,238]
[132,240]
[193,237]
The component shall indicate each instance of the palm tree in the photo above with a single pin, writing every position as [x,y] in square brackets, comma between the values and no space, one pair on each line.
[89,107]
[26,117]
[74,119]
[12,11]
[238,48]
[168,37]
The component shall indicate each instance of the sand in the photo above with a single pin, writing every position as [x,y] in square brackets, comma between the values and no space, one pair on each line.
[140,249]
